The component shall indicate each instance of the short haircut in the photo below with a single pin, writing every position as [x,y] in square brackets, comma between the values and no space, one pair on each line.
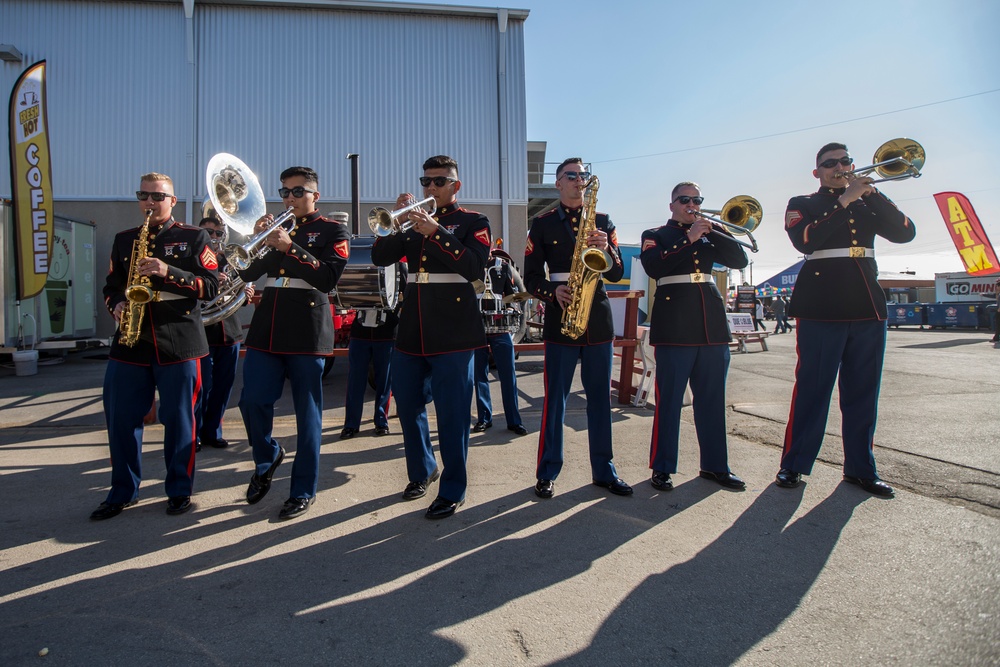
[828,148]
[565,163]
[683,184]
[441,162]
[209,218]
[309,174]
[153,177]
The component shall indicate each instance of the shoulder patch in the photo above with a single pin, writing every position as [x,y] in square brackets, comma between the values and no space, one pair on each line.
[613,237]
[483,235]
[792,218]
[208,259]
[342,248]
[529,248]
[647,244]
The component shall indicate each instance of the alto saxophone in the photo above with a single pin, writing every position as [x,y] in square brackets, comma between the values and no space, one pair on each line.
[138,292]
[588,265]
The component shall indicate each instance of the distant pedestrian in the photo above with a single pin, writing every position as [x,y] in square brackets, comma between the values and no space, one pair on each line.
[780,319]
[758,316]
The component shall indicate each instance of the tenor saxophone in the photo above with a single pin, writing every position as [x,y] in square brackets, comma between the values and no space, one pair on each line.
[588,265]
[138,292]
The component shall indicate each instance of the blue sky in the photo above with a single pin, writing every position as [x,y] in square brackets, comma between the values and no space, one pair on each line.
[647,90]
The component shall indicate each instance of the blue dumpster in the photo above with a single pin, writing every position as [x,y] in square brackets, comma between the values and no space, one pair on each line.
[962,314]
[901,314]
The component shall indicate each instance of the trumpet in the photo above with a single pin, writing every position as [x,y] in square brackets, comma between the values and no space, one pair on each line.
[242,256]
[385,222]
[894,160]
[740,215]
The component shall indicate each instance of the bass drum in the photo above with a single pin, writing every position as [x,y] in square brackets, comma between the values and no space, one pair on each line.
[364,285]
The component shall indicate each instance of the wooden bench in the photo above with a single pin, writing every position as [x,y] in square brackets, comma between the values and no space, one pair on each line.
[740,340]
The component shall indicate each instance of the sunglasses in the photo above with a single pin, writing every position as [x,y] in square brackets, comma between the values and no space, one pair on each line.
[439,181]
[142,195]
[215,232]
[846,161]
[298,192]
[684,199]
[573,175]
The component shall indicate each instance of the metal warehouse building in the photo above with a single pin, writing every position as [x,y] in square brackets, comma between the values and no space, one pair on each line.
[163,85]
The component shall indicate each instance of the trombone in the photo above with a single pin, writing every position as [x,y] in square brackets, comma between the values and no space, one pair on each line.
[894,160]
[740,215]
[385,222]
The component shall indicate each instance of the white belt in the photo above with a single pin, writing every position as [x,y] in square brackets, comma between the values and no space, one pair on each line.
[295,283]
[559,277]
[842,252]
[170,296]
[686,278]
[423,278]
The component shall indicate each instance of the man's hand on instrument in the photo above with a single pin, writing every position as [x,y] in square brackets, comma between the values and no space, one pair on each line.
[598,239]
[857,188]
[117,312]
[279,240]
[699,228]
[151,266]
[563,295]
[422,222]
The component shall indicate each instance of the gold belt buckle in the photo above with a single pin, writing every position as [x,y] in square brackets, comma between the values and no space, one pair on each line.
[857,252]
[283,282]
[699,277]
[423,278]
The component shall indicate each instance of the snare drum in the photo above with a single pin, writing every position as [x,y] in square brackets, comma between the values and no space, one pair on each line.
[364,285]
[500,322]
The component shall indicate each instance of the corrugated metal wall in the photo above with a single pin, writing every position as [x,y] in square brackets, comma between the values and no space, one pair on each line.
[116,79]
[274,86]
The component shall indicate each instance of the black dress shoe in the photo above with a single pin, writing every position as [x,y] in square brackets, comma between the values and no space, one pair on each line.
[726,479]
[109,510]
[197,446]
[381,430]
[442,508]
[416,490]
[348,433]
[481,426]
[221,443]
[178,504]
[295,507]
[617,487]
[787,479]
[261,484]
[661,481]
[519,429]
[873,486]
[545,488]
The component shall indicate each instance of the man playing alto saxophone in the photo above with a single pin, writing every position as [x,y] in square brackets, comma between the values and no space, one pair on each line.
[551,243]
[157,346]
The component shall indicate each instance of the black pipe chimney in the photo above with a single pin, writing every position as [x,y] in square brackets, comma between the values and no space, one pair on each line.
[355,196]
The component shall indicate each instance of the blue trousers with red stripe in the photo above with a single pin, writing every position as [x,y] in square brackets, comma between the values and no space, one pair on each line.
[129,390]
[448,379]
[595,373]
[359,353]
[706,366]
[218,373]
[854,351]
[502,346]
[264,376]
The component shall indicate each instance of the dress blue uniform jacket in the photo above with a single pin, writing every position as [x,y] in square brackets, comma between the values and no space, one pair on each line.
[436,318]
[293,320]
[229,331]
[688,313]
[552,241]
[171,330]
[841,288]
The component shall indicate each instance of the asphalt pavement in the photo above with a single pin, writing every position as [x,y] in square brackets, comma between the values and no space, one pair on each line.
[820,575]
